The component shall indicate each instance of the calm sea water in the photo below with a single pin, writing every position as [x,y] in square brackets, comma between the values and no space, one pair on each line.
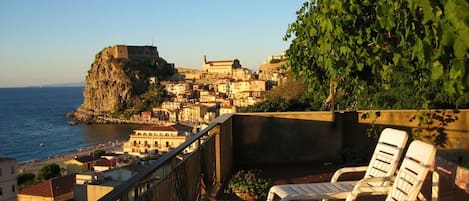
[30,117]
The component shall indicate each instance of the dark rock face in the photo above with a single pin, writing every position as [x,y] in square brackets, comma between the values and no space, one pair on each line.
[113,80]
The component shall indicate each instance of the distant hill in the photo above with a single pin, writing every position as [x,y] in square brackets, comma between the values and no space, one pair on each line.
[73,84]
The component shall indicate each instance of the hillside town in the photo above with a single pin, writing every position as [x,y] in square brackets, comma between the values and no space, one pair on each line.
[219,87]
[199,96]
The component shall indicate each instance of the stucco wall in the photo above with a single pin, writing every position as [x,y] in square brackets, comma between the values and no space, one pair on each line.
[96,192]
[452,124]
[285,137]
[323,137]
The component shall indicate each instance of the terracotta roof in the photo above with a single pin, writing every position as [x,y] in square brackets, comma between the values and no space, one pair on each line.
[182,127]
[84,159]
[51,188]
[106,162]
[175,127]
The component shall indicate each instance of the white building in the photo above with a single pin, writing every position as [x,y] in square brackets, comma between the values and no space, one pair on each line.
[178,89]
[154,139]
[193,113]
[8,184]
[221,66]
[241,86]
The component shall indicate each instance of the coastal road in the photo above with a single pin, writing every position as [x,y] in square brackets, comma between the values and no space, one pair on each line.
[35,165]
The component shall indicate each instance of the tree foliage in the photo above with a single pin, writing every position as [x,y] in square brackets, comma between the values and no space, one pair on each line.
[49,171]
[153,96]
[383,54]
[24,179]
[289,95]
[277,104]
[98,153]
[290,88]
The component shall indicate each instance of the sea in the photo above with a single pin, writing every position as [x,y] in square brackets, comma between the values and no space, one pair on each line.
[33,124]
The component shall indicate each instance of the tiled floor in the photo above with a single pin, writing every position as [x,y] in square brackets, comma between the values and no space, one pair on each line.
[303,173]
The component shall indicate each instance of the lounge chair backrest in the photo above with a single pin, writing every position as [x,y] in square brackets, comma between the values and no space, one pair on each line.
[387,154]
[415,166]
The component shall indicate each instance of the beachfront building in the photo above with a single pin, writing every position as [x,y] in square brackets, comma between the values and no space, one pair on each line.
[80,164]
[92,186]
[220,67]
[55,189]
[104,164]
[8,188]
[151,140]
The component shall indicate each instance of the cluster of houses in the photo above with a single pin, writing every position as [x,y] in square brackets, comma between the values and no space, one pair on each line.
[222,86]
[201,95]
[87,178]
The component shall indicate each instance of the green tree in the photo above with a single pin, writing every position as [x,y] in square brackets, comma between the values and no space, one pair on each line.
[25,179]
[98,153]
[383,54]
[49,171]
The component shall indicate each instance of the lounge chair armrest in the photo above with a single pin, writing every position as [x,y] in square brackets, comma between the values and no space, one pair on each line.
[363,187]
[342,171]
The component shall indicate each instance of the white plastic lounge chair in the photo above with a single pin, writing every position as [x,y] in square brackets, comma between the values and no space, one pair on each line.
[383,163]
[417,162]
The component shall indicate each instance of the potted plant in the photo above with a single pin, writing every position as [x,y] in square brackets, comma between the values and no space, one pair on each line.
[248,185]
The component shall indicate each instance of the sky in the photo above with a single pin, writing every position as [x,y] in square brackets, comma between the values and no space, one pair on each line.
[55,41]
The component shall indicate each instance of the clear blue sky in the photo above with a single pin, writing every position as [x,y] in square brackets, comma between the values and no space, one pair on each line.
[54,41]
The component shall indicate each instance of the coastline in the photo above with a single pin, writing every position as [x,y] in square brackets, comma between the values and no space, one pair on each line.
[33,166]
[90,117]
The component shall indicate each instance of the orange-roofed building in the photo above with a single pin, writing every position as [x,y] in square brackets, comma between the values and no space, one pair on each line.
[80,164]
[56,189]
[104,164]
[154,139]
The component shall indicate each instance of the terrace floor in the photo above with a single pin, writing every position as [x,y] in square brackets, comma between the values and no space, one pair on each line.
[307,173]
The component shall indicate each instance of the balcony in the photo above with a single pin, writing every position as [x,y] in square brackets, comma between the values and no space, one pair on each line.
[292,147]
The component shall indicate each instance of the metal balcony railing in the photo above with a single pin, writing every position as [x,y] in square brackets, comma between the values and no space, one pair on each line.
[194,177]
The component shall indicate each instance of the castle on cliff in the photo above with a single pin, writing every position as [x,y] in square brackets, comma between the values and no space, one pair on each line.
[132,52]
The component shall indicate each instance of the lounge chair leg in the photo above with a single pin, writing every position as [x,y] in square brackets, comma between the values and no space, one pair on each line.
[270,196]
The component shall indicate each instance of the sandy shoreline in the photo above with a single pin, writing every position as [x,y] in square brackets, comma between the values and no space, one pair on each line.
[33,166]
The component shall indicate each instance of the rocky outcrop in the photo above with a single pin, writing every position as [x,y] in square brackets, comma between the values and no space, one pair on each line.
[115,78]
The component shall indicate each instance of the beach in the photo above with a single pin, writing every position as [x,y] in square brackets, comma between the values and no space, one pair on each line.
[34,166]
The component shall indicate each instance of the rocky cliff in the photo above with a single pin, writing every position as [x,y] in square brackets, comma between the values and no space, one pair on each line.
[116,80]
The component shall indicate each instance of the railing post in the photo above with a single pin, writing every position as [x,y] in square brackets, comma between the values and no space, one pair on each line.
[216,133]
[224,147]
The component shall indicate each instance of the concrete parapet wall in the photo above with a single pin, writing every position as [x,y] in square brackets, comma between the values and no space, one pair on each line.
[452,124]
[285,137]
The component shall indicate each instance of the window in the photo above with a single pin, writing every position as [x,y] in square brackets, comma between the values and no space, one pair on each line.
[0,172]
[12,170]
[1,191]
[13,188]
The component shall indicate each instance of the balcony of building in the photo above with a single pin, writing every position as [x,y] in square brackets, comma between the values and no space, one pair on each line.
[295,147]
